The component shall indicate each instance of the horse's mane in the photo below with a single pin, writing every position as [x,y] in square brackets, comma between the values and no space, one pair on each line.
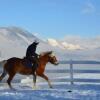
[51,53]
[44,53]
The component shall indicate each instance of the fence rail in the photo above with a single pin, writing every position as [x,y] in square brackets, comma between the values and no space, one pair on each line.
[78,80]
[79,62]
[72,71]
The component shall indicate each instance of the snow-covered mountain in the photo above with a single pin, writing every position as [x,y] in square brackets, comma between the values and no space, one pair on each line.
[14,42]
[15,34]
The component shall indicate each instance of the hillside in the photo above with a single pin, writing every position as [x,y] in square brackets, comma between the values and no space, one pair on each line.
[14,42]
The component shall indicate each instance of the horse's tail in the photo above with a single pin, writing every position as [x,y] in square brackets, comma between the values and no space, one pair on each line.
[2,63]
[4,73]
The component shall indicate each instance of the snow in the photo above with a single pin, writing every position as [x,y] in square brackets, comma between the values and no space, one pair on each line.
[24,90]
[4,32]
[15,39]
[79,92]
[24,38]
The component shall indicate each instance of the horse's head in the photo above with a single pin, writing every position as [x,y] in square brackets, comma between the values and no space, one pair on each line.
[49,57]
[52,58]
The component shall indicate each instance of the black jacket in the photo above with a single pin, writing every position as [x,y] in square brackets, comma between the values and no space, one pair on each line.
[31,50]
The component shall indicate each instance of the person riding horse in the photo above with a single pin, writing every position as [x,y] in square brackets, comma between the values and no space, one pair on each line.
[32,56]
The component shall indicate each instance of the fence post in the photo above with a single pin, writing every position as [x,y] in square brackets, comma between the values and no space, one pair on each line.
[71,72]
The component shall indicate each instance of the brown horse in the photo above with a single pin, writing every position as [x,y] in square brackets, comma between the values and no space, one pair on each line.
[15,65]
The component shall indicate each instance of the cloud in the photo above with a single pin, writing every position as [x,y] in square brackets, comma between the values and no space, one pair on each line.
[64,45]
[85,43]
[88,8]
[53,42]
[71,46]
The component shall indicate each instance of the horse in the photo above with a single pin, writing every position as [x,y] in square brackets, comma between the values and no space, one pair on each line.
[15,65]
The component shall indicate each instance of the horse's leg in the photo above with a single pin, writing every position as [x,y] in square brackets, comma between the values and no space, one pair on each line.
[46,78]
[3,75]
[9,79]
[34,74]
[34,79]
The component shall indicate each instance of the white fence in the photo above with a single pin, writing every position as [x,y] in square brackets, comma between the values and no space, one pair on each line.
[72,71]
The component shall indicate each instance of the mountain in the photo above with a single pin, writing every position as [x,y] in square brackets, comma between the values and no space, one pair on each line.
[15,34]
[14,42]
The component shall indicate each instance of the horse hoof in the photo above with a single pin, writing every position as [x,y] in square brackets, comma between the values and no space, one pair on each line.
[35,87]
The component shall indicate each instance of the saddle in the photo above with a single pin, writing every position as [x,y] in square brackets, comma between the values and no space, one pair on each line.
[27,63]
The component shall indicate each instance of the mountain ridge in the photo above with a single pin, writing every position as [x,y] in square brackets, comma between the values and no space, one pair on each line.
[15,40]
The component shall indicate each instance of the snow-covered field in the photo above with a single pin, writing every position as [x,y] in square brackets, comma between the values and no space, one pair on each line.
[59,92]
[24,91]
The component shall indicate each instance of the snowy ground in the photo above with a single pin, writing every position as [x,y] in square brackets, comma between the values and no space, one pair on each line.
[79,92]
[24,90]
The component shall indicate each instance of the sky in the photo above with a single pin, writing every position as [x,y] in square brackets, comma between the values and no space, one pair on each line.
[53,18]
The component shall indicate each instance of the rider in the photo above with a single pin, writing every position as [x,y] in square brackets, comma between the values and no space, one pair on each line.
[31,55]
